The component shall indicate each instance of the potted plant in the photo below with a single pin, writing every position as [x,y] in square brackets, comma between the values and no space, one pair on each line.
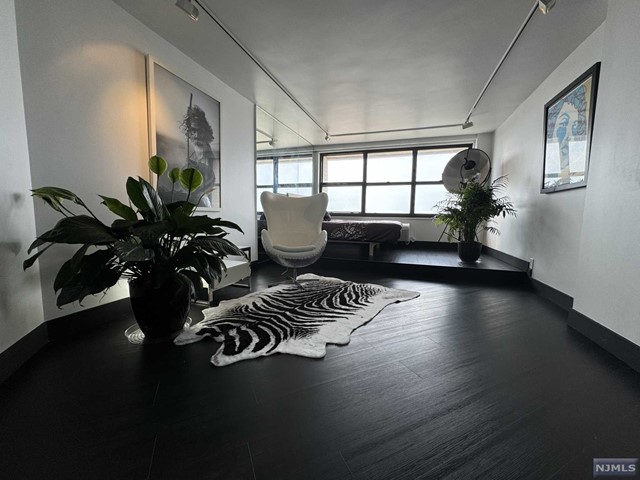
[164,250]
[466,212]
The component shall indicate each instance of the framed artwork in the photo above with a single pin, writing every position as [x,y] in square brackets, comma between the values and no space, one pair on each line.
[184,129]
[568,125]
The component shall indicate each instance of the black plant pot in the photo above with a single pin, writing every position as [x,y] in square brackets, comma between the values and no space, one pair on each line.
[469,251]
[161,312]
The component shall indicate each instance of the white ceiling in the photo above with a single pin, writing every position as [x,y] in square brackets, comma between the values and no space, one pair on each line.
[367,65]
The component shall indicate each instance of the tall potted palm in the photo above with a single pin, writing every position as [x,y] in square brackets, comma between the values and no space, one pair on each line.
[163,250]
[468,211]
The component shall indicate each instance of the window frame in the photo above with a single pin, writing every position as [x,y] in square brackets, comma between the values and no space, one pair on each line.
[275,159]
[364,184]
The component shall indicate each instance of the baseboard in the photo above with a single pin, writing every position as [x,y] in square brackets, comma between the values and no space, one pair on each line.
[561,299]
[17,354]
[87,319]
[516,262]
[557,297]
[25,348]
[612,342]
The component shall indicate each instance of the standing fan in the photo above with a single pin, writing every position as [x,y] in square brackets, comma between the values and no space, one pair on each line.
[470,165]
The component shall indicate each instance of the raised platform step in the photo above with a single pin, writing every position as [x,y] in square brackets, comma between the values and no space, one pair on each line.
[428,260]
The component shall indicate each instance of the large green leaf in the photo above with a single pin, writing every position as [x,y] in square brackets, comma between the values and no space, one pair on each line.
[80,229]
[136,194]
[174,175]
[152,231]
[52,202]
[129,251]
[125,225]
[195,281]
[191,179]
[94,274]
[55,195]
[154,201]
[216,245]
[188,258]
[180,208]
[157,165]
[226,224]
[212,275]
[188,225]
[119,208]
[104,279]
[31,260]
[69,268]
[70,293]
[58,192]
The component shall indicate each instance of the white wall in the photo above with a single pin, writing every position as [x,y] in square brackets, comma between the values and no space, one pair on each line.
[20,295]
[608,275]
[83,72]
[548,227]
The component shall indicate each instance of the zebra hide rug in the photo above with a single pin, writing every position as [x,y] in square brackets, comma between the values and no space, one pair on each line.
[290,319]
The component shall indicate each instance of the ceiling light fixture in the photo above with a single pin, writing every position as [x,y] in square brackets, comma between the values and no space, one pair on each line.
[545,6]
[189,8]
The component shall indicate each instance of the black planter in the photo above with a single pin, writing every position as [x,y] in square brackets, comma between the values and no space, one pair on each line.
[161,312]
[469,251]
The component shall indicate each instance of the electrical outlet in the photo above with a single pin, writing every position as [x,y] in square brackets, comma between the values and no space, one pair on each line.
[530,269]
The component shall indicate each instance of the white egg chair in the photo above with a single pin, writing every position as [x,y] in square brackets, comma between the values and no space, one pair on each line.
[294,237]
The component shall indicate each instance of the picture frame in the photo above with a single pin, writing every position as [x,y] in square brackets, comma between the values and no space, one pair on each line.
[184,129]
[568,127]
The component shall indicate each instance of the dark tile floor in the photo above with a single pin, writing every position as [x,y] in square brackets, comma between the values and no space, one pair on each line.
[467,381]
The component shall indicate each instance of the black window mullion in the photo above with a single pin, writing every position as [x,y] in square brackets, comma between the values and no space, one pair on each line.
[275,175]
[295,185]
[381,184]
[321,172]
[365,156]
[343,184]
[414,168]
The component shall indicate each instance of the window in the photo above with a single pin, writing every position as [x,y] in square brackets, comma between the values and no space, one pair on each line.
[284,174]
[403,181]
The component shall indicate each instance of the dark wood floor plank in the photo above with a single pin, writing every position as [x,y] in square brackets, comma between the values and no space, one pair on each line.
[183,455]
[302,462]
[451,429]
[534,446]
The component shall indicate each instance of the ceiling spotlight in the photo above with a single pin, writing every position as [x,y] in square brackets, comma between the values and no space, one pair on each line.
[189,9]
[467,124]
[545,6]
[327,137]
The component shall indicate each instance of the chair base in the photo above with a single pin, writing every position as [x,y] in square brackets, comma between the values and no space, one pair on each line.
[293,280]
